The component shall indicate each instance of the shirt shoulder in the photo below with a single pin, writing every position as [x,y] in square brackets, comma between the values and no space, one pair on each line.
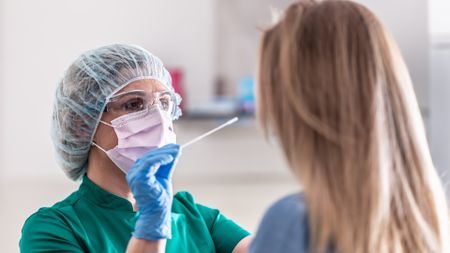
[50,227]
[58,212]
[184,197]
[184,203]
[290,207]
[284,227]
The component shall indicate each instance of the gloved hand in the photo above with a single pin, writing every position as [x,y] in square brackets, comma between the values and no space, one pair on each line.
[150,180]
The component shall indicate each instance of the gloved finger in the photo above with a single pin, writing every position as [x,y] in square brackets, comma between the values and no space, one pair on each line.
[164,148]
[170,148]
[148,158]
[147,166]
[169,145]
[166,172]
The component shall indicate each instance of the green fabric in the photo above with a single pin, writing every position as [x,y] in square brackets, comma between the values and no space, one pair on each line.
[94,220]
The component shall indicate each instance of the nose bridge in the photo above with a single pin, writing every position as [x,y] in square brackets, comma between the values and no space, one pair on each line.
[152,97]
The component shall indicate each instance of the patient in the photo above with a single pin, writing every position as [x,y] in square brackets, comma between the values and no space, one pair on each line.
[335,91]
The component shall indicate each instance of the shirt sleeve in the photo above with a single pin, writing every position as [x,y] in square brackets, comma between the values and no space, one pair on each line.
[284,228]
[46,231]
[226,234]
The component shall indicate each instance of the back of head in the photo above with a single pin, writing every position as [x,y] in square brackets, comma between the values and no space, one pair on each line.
[334,89]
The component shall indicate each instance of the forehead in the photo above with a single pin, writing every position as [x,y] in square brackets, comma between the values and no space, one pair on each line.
[148,85]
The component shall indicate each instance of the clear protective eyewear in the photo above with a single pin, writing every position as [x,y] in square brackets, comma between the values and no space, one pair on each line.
[138,100]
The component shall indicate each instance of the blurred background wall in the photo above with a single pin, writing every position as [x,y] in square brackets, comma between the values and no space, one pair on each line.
[214,44]
[440,86]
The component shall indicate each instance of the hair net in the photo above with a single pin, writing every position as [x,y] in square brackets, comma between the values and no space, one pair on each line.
[82,93]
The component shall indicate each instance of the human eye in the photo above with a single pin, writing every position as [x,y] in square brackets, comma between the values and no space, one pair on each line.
[133,104]
[166,102]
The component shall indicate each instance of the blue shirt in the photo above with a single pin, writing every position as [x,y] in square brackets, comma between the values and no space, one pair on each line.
[284,227]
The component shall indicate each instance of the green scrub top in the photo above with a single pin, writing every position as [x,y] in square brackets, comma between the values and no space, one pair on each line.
[94,220]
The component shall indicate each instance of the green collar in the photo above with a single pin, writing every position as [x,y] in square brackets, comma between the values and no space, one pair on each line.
[103,198]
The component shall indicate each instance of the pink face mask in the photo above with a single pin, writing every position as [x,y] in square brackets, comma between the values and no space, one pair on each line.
[138,133]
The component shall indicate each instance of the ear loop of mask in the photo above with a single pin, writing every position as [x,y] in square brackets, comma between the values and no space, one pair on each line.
[106,123]
[98,146]
[95,144]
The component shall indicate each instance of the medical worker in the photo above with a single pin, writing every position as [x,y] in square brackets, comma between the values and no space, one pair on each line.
[334,90]
[112,129]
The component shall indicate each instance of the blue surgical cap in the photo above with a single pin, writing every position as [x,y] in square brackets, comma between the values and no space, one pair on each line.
[81,97]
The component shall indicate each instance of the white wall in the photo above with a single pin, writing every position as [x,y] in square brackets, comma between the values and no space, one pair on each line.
[2,82]
[440,87]
[439,17]
[440,113]
[407,20]
[41,38]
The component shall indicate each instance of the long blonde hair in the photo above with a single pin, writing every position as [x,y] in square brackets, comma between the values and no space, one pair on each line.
[334,89]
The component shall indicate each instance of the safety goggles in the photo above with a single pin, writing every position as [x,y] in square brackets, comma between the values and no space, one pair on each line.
[138,100]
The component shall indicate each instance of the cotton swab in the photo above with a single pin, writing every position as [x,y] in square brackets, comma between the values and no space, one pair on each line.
[231,121]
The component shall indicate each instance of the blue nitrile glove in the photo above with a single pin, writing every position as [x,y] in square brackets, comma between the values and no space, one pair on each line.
[150,180]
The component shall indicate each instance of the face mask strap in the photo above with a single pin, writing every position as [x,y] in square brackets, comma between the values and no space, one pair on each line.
[97,146]
[106,123]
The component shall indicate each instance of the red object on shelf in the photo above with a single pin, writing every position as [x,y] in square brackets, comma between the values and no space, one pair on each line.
[177,83]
